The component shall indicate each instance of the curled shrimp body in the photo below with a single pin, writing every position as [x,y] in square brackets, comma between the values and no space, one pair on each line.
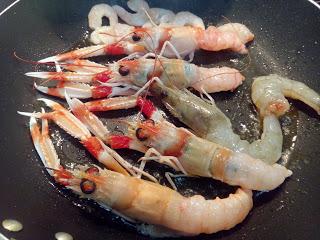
[269,92]
[99,11]
[137,199]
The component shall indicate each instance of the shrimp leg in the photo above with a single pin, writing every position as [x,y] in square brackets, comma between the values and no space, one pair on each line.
[197,156]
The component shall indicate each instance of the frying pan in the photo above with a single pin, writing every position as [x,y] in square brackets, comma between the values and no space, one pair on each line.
[287,43]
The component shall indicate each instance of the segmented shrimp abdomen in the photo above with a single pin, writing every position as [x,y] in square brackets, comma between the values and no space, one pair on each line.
[156,204]
[213,80]
[213,39]
[241,30]
[240,169]
[197,215]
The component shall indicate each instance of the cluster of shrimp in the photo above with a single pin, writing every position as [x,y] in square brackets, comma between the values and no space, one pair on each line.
[211,150]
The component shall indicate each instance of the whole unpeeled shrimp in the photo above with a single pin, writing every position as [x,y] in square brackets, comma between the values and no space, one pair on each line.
[268,94]
[172,42]
[183,151]
[142,200]
[137,72]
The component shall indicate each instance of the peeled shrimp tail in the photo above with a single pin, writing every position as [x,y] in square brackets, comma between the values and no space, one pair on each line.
[243,170]
[241,30]
[216,39]
[269,92]
[217,79]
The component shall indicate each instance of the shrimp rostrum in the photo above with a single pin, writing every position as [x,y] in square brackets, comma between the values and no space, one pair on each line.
[134,74]
[171,42]
[182,150]
[141,200]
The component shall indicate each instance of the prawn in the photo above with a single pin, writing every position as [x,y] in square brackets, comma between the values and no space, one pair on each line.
[135,73]
[209,122]
[182,150]
[141,200]
[171,42]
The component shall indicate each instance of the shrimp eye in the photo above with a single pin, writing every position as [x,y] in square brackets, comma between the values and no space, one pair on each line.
[141,134]
[124,71]
[87,186]
[93,171]
[136,37]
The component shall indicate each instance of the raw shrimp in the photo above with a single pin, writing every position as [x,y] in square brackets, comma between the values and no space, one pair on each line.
[209,122]
[99,11]
[143,13]
[187,19]
[137,72]
[176,42]
[269,92]
[196,156]
[142,200]
[148,17]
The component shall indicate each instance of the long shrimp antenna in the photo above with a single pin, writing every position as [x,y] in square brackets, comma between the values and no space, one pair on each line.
[53,63]
[150,18]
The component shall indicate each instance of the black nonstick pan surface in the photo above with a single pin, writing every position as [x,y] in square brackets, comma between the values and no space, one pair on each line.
[287,43]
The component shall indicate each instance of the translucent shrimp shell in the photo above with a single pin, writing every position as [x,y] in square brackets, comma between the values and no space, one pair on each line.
[159,205]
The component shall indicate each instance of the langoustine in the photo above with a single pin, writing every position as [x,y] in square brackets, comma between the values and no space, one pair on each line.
[172,42]
[268,94]
[142,200]
[182,150]
[135,73]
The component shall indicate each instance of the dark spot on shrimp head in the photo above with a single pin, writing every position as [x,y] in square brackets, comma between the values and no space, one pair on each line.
[93,171]
[142,134]
[87,186]
[124,71]
[136,37]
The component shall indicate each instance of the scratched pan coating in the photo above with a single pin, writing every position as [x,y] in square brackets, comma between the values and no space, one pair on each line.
[287,43]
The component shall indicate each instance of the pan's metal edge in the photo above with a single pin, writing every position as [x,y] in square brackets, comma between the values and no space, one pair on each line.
[315,3]
[8,7]
[2,237]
